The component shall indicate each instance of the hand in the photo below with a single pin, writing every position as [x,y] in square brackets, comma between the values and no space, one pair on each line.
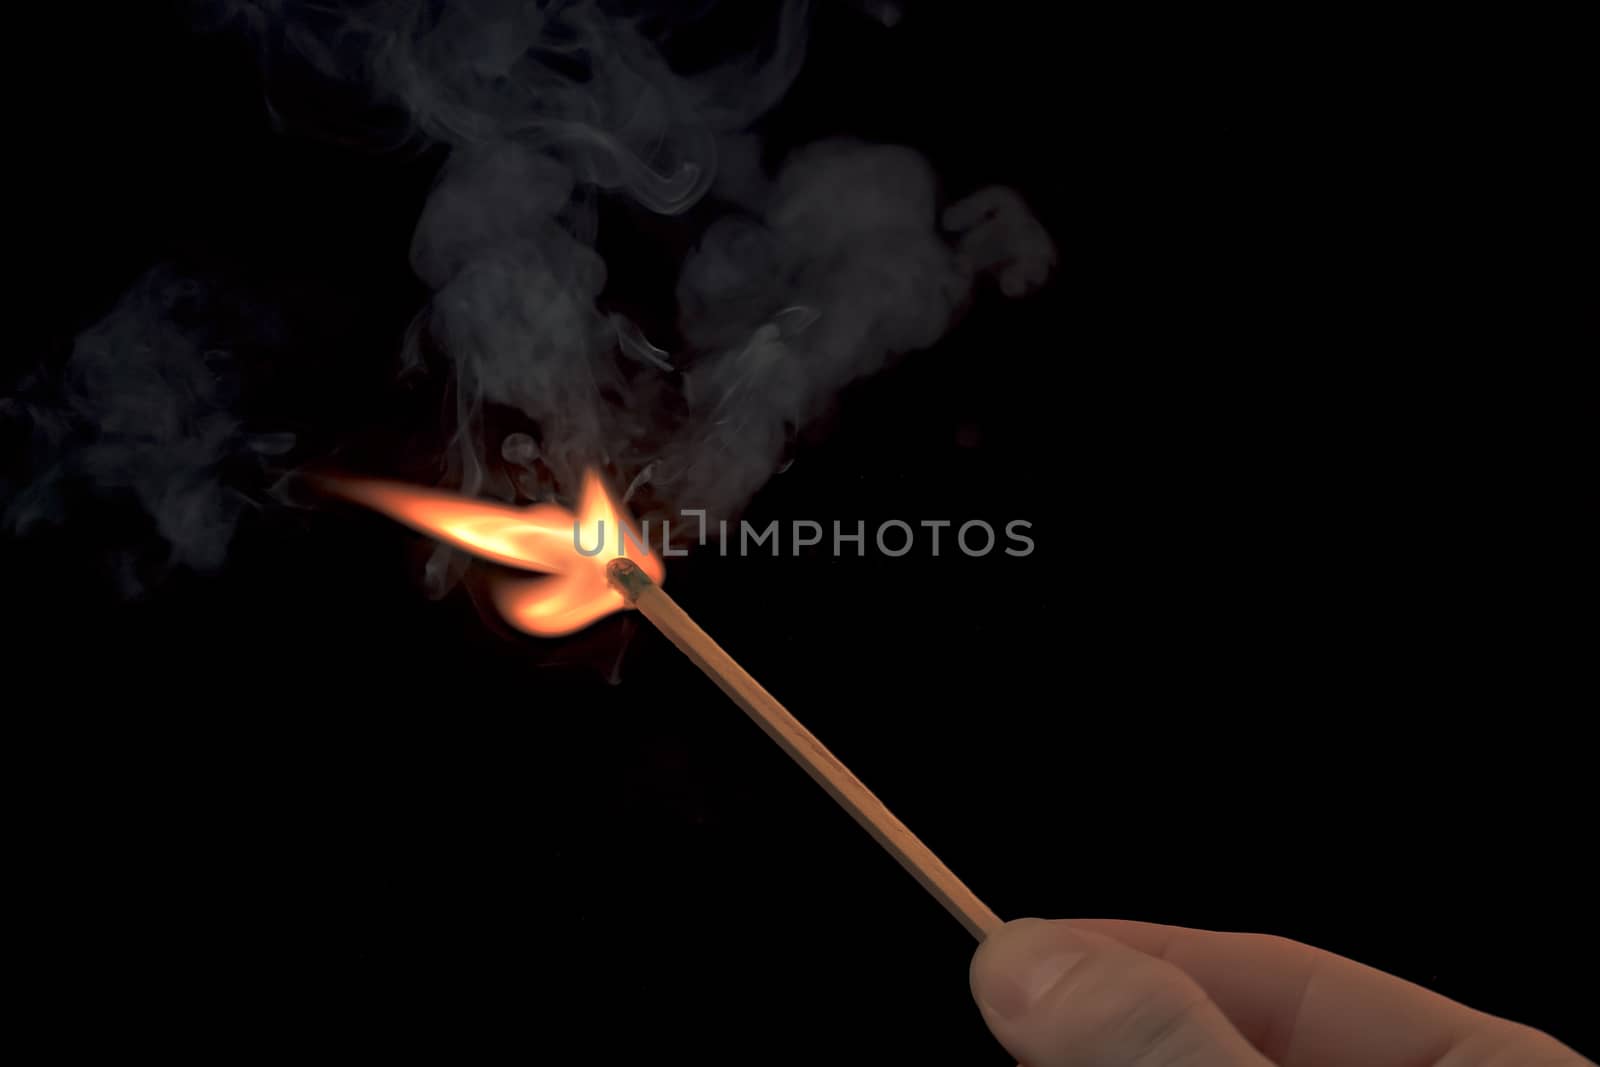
[1101,992]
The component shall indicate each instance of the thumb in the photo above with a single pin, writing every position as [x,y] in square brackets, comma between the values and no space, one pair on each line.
[1057,996]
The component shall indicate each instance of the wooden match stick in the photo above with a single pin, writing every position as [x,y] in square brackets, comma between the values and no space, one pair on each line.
[824,768]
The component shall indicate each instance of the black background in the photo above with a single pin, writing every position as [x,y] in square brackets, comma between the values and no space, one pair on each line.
[1259,674]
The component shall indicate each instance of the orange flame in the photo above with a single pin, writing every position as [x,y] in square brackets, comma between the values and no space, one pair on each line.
[542,537]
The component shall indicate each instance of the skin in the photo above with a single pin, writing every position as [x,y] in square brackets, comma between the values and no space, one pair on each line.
[1104,993]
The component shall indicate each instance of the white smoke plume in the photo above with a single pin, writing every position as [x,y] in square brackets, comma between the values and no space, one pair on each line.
[800,280]
[807,280]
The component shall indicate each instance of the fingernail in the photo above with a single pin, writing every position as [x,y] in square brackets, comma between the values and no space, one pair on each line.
[1020,963]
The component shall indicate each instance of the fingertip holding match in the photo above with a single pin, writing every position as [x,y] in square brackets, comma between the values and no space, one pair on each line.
[627,578]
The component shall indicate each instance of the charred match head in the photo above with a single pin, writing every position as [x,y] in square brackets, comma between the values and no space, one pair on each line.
[570,588]
[627,578]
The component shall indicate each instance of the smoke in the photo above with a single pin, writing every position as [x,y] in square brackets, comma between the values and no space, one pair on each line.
[798,281]
[844,268]
[142,412]
[802,281]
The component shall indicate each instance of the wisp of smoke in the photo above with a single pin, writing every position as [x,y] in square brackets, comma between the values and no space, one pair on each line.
[143,411]
[800,281]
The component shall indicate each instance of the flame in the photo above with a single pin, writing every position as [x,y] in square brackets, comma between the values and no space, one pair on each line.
[542,538]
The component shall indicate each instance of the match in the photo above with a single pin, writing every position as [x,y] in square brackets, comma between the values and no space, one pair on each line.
[803,747]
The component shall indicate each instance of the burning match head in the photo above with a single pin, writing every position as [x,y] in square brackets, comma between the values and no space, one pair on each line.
[627,578]
[575,588]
